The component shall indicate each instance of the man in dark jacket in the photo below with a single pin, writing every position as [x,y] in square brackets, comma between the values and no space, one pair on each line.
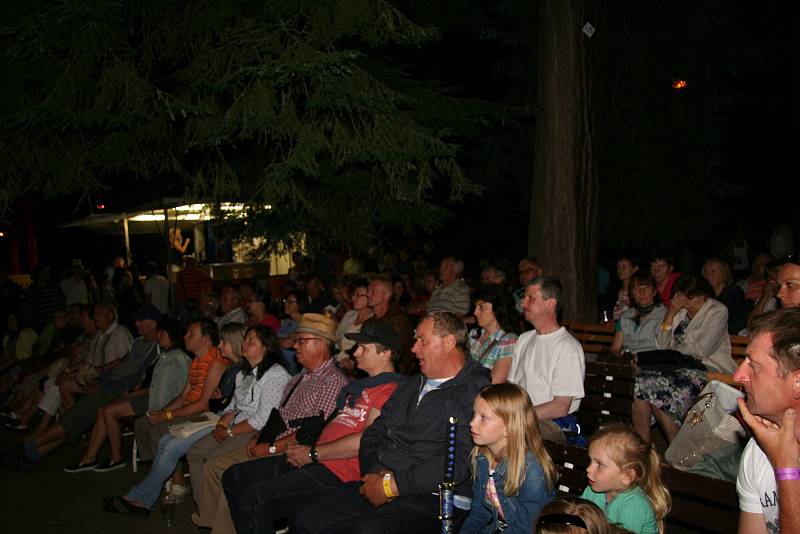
[402,453]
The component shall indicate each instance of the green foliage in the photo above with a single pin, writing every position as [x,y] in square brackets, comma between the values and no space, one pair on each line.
[286,103]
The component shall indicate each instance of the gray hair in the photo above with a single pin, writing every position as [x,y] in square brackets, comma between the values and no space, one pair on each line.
[551,288]
[447,323]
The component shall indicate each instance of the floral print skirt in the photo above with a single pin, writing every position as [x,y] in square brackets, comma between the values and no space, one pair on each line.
[671,392]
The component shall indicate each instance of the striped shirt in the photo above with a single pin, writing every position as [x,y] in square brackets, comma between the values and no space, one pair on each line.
[199,371]
[453,298]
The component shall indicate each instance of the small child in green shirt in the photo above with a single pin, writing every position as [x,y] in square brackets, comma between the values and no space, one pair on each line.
[625,480]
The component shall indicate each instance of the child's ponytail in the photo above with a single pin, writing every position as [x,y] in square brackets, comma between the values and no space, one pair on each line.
[653,486]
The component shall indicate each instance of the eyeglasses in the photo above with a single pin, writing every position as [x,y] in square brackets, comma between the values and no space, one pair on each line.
[303,340]
[560,519]
[290,301]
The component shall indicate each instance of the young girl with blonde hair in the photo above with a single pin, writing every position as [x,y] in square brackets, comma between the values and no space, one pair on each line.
[514,476]
[571,515]
[625,480]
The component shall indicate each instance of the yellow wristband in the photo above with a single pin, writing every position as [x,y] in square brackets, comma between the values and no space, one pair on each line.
[665,327]
[168,414]
[387,486]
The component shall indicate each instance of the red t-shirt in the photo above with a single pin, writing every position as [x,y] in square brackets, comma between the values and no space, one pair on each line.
[272,322]
[666,293]
[352,420]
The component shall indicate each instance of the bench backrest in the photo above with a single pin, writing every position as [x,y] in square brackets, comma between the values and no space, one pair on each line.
[593,337]
[738,347]
[608,395]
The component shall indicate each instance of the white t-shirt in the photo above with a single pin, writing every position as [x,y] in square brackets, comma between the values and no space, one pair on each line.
[549,365]
[75,291]
[158,288]
[755,483]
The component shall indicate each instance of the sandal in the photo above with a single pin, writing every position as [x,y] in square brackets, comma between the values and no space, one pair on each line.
[118,505]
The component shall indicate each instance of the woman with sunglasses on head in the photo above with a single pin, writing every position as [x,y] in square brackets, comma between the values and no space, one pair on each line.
[294,306]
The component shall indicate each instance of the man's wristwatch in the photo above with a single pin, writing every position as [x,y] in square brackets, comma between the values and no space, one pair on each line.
[272,449]
[312,453]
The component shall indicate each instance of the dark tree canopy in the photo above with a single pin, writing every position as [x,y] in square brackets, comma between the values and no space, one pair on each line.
[289,104]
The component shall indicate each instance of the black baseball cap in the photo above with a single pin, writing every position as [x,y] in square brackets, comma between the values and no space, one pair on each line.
[377,332]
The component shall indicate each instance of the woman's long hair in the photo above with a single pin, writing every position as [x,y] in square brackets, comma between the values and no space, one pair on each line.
[513,405]
[272,351]
[233,334]
[630,452]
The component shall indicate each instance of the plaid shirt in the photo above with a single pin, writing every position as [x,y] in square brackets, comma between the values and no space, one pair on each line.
[501,344]
[316,390]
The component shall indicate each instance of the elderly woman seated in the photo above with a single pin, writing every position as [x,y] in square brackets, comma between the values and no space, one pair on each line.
[637,326]
[696,326]
[719,275]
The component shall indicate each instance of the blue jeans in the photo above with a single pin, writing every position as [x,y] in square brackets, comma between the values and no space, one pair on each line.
[170,451]
[263,490]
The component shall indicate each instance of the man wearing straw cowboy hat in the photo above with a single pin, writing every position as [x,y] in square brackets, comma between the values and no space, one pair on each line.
[312,390]
[402,454]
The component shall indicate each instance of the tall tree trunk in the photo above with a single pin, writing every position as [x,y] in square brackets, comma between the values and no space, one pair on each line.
[563,230]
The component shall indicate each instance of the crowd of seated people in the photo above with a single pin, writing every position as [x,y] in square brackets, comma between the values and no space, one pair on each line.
[344,394]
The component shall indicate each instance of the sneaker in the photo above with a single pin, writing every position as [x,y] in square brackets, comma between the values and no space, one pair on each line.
[177,493]
[79,467]
[14,424]
[110,466]
[9,415]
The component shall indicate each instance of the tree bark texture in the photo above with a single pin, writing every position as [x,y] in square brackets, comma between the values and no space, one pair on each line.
[563,229]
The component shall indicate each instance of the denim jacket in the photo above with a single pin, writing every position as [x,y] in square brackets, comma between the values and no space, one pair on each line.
[169,378]
[520,511]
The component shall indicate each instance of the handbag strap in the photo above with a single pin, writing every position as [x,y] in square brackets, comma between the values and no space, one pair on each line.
[488,349]
[697,401]
[291,391]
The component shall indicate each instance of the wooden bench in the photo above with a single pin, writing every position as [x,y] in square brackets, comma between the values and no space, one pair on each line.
[739,348]
[595,337]
[608,390]
[699,504]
